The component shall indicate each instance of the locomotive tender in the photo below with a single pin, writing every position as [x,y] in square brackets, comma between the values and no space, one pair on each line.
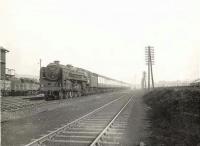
[65,81]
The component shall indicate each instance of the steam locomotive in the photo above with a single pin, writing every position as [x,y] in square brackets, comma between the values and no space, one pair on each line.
[59,81]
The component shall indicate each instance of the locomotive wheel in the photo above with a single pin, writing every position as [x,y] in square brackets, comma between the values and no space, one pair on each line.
[79,94]
[70,94]
[75,94]
[64,95]
[67,95]
[55,97]
[60,95]
[46,97]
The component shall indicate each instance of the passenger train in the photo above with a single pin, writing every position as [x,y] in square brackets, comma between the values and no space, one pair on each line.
[65,81]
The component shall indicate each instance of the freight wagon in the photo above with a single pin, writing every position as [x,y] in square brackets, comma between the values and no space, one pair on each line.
[5,87]
[19,87]
[66,81]
[24,86]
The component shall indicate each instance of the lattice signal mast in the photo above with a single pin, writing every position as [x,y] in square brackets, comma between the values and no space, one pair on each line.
[149,56]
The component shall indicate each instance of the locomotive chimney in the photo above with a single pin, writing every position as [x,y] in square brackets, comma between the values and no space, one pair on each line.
[57,62]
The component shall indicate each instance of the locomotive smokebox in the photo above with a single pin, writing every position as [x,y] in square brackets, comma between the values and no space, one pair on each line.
[57,62]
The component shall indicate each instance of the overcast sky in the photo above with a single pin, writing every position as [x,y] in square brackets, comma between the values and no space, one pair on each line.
[106,36]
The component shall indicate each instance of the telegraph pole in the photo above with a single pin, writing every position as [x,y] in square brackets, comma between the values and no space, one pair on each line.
[40,71]
[149,55]
[40,63]
[149,84]
[151,58]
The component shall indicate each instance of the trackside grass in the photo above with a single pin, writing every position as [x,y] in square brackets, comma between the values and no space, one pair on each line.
[174,115]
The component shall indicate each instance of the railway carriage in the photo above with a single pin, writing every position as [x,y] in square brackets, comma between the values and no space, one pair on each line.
[65,81]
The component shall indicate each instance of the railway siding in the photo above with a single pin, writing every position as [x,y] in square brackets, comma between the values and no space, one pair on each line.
[21,106]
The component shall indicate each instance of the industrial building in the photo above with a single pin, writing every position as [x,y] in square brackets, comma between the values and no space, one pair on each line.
[3,63]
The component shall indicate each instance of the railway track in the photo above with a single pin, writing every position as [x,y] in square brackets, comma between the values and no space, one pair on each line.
[104,126]
[14,104]
[23,104]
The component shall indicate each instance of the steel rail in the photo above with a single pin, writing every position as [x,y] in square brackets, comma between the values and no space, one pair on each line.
[28,106]
[95,142]
[39,141]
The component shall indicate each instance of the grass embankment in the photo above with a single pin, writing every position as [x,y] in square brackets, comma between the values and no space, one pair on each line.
[174,117]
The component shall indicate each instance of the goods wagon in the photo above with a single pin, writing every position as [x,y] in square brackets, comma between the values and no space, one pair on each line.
[65,81]
[24,86]
[5,87]
[19,86]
